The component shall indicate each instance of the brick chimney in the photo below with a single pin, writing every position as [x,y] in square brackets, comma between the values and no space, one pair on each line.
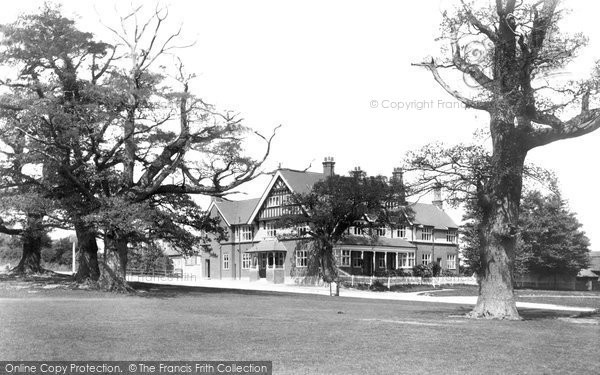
[398,174]
[437,196]
[328,166]
[398,179]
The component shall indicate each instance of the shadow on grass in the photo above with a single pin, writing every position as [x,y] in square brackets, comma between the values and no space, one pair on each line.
[148,290]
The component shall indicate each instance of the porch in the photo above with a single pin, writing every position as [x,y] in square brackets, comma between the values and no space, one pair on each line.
[267,261]
[371,262]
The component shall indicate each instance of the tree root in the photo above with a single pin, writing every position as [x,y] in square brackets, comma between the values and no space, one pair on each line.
[109,281]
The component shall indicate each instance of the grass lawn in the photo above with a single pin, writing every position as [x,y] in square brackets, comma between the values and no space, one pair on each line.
[301,334]
[556,297]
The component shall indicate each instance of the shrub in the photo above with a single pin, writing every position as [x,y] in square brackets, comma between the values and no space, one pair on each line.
[378,286]
[421,270]
[435,269]
[447,273]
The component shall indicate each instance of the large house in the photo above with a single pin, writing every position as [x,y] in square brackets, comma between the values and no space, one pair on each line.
[254,250]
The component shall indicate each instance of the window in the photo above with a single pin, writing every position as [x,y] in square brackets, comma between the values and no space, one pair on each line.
[225,261]
[345,258]
[451,236]
[301,258]
[276,259]
[243,233]
[426,233]
[302,230]
[357,231]
[451,261]
[380,231]
[403,260]
[279,258]
[270,227]
[425,259]
[356,259]
[246,261]
[380,260]
[411,259]
[401,231]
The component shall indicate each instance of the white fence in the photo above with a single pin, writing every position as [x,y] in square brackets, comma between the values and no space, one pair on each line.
[391,281]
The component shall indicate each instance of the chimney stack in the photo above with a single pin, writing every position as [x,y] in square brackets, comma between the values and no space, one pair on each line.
[328,166]
[398,174]
[357,172]
[437,196]
[398,180]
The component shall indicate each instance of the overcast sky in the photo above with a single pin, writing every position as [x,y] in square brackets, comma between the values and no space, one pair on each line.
[325,70]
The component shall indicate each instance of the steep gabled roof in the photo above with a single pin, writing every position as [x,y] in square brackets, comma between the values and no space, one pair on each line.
[300,182]
[430,215]
[236,212]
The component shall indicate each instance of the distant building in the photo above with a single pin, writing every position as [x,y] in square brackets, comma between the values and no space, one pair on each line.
[254,251]
[595,262]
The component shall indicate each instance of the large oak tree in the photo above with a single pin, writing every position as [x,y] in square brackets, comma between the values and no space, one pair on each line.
[118,136]
[506,51]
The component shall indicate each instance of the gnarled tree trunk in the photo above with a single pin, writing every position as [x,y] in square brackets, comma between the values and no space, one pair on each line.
[328,267]
[500,201]
[114,269]
[30,262]
[87,253]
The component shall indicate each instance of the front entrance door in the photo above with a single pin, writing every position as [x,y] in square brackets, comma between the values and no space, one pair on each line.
[262,265]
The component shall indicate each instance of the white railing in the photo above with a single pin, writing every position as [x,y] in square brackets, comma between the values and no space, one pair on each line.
[408,280]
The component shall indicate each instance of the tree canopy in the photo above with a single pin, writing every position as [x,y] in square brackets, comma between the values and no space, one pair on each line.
[112,135]
[338,203]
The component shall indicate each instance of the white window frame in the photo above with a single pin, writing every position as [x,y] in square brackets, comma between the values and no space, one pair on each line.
[425,259]
[246,261]
[401,231]
[356,259]
[270,229]
[403,260]
[380,231]
[301,258]
[225,261]
[426,233]
[345,260]
[411,260]
[451,235]
[451,261]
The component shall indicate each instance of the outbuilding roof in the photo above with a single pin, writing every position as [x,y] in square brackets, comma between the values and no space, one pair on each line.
[267,245]
[431,215]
